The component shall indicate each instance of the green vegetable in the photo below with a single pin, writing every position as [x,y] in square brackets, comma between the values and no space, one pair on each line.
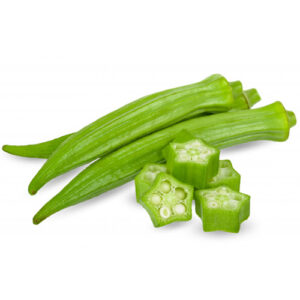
[168,200]
[144,180]
[252,97]
[227,175]
[45,149]
[132,121]
[271,122]
[222,208]
[192,161]
[41,150]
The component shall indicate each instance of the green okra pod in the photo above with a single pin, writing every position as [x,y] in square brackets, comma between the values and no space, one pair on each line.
[145,179]
[226,175]
[45,149]
[222,208]
[221,130]
[168,200]
[143,117]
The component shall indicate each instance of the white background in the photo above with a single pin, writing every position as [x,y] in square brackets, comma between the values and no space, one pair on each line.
[63,64]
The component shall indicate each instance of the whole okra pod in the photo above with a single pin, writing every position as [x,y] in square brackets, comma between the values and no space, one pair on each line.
[133,121]
[271,122]
[242,100]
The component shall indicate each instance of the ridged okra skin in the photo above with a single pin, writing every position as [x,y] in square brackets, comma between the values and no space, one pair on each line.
[242,100]
[168,200]
[222,208]
[145,179]
[133,121]
[271,122]
[40,150]
[226,175]
[193,161]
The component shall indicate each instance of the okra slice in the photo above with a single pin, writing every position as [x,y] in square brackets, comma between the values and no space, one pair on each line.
[145,179]
[226,175]
[168,200]
[192,161]
[222,208]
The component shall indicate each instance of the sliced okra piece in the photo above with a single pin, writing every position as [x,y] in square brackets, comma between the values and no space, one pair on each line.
[144,180]
[226,175]
[222,208]
[191,160]
[168,200]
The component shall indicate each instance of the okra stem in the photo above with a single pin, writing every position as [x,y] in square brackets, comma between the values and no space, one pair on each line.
[252,97]
[221,130]
[291,118]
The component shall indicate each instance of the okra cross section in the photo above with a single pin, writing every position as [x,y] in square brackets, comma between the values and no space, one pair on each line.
[168,200]
[222,208]
[145,179]
[193,161]
[226,175]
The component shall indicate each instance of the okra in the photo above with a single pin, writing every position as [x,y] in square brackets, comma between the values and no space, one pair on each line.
[192,161]
[168,200]
[145,179]
[242,100]
[132,121]
[270,122]
[252,97]
[40,150]
[226,175]
[222,208]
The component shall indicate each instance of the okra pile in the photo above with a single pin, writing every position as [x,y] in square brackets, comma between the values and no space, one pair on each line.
[170,143]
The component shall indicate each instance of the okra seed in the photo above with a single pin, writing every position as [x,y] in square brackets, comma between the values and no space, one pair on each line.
[165,212]
[193,152]
[212,204]
[155,199]
[165,187]
[231,204]
[180,193]
[223,190]
[179,209]
[211,197]
[149,176]
[222,197]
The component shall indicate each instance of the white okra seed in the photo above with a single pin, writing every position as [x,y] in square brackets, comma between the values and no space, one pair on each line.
[212,204]
[179,209]
[231,204]
[155,199]
[165,187]
[180,193]
[165,212]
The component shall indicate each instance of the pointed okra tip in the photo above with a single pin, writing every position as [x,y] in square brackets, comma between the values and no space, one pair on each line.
[31,189]
[6,148]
